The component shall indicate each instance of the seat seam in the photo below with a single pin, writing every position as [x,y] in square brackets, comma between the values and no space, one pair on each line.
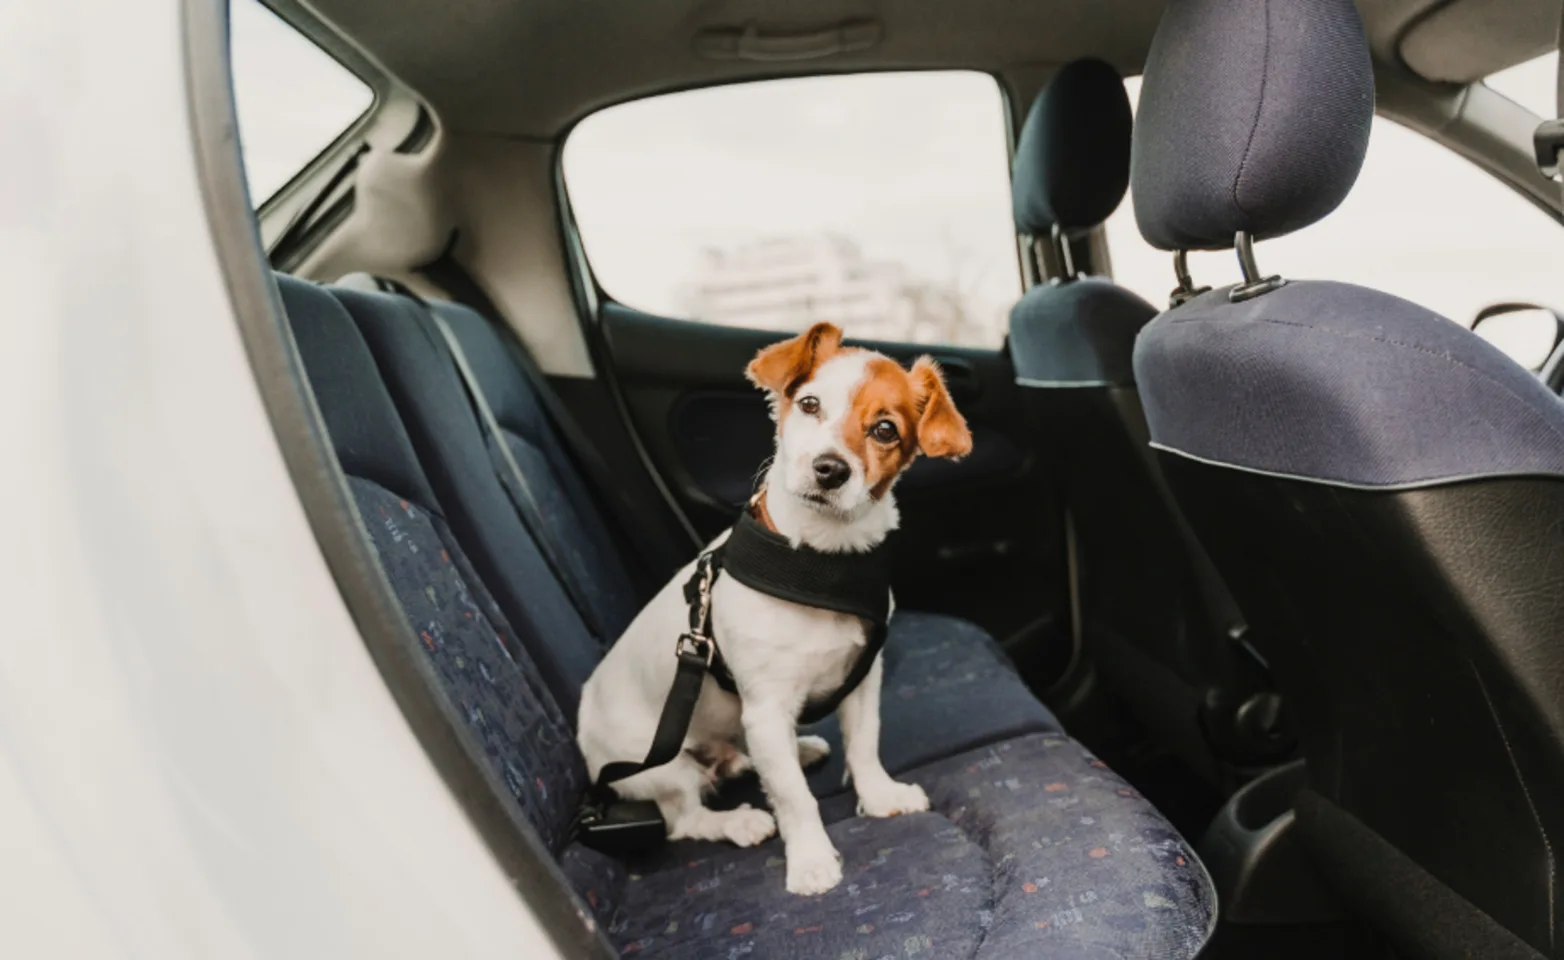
[1259,111]
[991,900]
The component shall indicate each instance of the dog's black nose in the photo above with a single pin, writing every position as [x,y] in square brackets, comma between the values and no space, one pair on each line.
[831,471]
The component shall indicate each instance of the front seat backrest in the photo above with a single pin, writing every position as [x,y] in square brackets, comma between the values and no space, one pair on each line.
[1156,621]
[1382,489]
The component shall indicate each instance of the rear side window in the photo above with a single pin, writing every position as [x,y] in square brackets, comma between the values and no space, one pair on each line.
[294,100]
[880,202]
[1533,84]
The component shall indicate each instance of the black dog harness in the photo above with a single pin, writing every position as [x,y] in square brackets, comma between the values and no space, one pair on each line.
[853,583]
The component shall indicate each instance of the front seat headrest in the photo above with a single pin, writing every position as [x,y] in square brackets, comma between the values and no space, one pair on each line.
[1072,162]
[1254,116]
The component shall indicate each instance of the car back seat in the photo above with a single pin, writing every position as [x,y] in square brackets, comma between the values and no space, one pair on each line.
[1032,848]
[948,685]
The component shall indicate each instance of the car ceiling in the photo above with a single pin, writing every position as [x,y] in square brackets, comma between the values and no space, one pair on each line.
[530,68]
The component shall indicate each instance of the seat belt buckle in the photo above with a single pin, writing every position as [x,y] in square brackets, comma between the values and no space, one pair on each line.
[1548,142]
[620,828]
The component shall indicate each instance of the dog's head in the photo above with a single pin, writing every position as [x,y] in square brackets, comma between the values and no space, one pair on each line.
[850,420]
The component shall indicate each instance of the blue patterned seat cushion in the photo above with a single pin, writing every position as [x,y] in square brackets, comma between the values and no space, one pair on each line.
[1033,849]
[491,689]
[949,687]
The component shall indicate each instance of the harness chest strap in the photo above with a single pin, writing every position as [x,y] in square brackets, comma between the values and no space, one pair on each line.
[857,584]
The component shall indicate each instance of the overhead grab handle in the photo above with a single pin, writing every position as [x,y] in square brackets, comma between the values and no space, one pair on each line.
[752,43]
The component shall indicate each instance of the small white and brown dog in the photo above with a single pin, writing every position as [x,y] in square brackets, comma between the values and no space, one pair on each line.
[849,421]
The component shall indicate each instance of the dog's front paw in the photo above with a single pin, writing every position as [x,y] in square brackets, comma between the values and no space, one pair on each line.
[814,871]
[891,799]
[811,750]
[747,826]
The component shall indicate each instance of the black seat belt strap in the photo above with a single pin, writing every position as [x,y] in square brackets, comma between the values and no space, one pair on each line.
[695,650]
[514,482]
[616,826]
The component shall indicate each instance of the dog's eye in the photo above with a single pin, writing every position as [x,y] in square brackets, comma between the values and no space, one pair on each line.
[884,431]
[809,405]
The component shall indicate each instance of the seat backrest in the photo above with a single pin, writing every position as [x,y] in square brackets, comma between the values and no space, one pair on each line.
[1156,618]
[422,379]
[578,523]
[487,683]
[1382,489]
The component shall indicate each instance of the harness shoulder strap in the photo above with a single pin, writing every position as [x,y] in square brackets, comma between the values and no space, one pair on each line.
[818,710]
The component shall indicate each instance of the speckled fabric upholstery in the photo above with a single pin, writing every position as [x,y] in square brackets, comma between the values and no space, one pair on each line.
[1033,849]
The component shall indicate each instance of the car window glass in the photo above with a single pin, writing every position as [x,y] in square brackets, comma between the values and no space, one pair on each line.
[879,201]
[293,98]
[1533,84]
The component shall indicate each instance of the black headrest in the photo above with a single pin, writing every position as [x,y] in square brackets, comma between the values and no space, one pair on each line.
[1072,162]
[1254,116]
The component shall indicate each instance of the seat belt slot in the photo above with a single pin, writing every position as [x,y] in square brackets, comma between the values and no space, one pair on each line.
[620,828]
[1548,142]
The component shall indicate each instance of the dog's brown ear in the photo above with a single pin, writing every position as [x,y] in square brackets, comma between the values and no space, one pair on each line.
[942,430]
[781,367]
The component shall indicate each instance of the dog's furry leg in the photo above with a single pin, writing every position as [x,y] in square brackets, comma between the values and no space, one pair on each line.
[878,794]
[811,750]
[813,865]
[676,787]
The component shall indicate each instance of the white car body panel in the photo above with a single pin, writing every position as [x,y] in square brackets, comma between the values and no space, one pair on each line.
[198,758]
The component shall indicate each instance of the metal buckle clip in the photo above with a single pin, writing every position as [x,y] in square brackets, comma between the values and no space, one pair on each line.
[700,647]
[703,595]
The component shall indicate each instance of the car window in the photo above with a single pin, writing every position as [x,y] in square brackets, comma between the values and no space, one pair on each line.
[1422,223]
[1533,84]
[878,201]
[293,98]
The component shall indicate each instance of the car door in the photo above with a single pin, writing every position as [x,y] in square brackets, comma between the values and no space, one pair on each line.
[718,221]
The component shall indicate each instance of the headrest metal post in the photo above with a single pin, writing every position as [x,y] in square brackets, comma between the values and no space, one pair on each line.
[1186,289]
[1254,285]
[1062,252]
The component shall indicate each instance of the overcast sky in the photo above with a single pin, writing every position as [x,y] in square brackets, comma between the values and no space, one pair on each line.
[914,168]
[293,100]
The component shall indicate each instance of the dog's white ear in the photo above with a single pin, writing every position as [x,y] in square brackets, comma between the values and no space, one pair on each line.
[942,430]
[782,367]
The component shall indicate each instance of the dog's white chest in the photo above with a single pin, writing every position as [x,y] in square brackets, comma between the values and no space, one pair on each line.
[775,647]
